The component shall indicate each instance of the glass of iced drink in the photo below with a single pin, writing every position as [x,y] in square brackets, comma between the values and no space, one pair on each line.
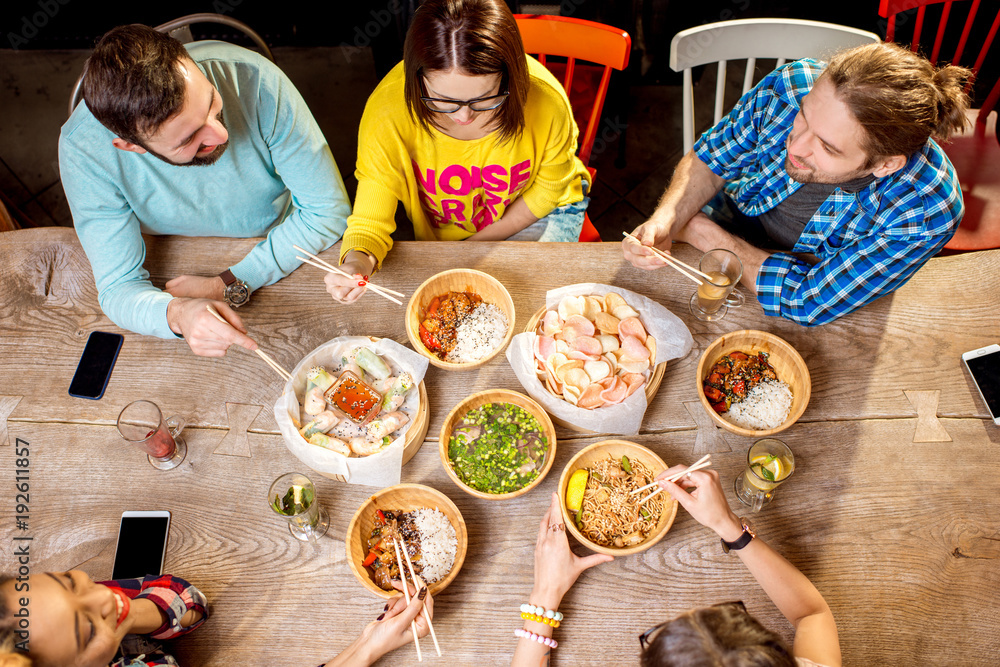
[142,425]
[293,497]
[769,463]
[715,296]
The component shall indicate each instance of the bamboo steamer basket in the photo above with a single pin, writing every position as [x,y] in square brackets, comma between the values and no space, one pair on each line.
[404,497]
[651,387]
[616,449]
[787,363]
[457,280]
[497,396]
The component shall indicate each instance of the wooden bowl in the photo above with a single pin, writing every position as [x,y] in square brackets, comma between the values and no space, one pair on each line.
[496,396]
[616,449]
[403,497]
[651,387]
[787,363]
[457,280]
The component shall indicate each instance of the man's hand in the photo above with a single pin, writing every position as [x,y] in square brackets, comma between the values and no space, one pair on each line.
[207,336]
[650,233]
[360,266]
[197,287]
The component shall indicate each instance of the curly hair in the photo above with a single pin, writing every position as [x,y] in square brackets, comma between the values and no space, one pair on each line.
[898,97]
[720,636]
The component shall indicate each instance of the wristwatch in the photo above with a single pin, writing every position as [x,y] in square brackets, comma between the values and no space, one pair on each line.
[742,540]
[237,292]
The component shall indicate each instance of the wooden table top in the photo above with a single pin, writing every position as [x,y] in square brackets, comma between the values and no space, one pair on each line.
[899,535]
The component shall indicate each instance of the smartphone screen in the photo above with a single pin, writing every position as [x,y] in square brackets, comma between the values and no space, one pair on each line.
[142,544]
[94,370]
[985,371]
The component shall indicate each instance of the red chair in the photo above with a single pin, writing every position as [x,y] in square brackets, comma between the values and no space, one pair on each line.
[575,39]
[975,153]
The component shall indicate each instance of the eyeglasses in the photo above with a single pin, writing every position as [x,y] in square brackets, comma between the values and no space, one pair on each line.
[646,638]
[489,103]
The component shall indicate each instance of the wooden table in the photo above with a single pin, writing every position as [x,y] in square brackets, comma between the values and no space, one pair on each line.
[900,535]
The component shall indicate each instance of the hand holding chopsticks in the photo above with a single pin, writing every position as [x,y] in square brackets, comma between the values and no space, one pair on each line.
[419,586]
[673,262]
[703,462]
[330,268]
[275,366]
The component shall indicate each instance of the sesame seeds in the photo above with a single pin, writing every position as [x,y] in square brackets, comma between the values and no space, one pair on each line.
[478,334]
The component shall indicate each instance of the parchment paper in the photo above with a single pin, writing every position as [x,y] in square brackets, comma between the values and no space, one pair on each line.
[673,340]
[381,469]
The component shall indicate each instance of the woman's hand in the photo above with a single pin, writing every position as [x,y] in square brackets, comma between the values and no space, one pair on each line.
[706,501]
[348,290]
[390,630]
[556,567]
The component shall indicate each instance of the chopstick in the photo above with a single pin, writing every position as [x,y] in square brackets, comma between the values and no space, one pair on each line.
[406,594]
[285,375]
[675,477]
[703,459]
[673,261]
[427,617]
[375,288]
[330,268]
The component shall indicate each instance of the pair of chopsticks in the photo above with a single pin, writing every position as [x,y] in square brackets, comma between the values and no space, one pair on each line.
[330,268]
[703,462]
[406,595]
[285,375]
[674,262]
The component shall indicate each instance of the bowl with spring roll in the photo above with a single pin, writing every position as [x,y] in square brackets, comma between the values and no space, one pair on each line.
[424,523]
[598,504]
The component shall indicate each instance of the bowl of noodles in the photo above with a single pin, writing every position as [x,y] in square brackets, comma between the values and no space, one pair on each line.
[612,520]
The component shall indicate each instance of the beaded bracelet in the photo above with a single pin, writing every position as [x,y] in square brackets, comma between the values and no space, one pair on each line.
[548,641]
[541,611]
[539,619]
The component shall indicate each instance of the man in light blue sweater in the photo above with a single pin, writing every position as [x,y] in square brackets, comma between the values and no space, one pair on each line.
[207,140]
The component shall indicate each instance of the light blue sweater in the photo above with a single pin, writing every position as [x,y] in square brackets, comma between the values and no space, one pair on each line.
[277,179]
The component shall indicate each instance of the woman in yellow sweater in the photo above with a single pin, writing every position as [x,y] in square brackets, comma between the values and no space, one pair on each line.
[475,138]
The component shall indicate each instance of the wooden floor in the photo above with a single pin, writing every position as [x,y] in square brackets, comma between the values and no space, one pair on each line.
[899,533]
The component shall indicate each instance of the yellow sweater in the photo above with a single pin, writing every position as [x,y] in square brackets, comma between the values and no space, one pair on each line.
[452,188]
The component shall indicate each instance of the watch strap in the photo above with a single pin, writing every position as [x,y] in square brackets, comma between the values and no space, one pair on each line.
[227,277]
[740,542]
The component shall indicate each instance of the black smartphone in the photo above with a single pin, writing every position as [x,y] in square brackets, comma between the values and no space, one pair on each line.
[94,370]
[142,544]
[984,367]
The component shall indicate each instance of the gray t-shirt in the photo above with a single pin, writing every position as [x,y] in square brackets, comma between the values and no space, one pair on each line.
[784,223]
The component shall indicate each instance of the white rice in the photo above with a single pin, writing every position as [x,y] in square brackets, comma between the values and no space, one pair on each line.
[478,334]
[766,406]
[438,543]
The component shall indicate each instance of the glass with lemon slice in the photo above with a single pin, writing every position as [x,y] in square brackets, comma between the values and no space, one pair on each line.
[769,463]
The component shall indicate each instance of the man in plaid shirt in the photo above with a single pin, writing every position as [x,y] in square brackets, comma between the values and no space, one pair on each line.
[835,163]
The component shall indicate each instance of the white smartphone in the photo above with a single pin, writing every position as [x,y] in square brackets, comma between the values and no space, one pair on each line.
[984,367]
[142,544]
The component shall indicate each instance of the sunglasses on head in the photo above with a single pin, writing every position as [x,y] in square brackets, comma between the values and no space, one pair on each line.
[646,638]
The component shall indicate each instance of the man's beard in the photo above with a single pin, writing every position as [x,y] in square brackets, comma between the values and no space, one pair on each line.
[196,161]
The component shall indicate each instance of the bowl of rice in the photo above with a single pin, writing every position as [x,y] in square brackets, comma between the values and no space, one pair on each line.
[430,526]
[460,319]
[753,383]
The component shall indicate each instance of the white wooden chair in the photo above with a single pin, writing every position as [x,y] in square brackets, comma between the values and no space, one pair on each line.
[749,39]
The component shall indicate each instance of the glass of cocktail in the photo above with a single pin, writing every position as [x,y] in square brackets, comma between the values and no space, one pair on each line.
[142,425]
[715,296]
[769,463]
[293,497]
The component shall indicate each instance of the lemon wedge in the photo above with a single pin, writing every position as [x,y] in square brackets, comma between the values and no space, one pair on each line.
[574,490]
[774,466]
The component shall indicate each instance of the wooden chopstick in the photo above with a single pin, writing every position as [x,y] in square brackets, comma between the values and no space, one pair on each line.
[375,288]
[427,617]
[406,594]
[334,269]
[674,478]
[706,457]
[673,261]
[285,375]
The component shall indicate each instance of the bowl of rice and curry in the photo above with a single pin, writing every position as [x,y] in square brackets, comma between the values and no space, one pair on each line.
[753,383]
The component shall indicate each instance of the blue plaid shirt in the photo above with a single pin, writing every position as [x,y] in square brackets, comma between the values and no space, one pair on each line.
[868,243]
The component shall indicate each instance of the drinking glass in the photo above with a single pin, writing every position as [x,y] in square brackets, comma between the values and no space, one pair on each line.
[293,497]
[142,424]
[769,463]
[715,297]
